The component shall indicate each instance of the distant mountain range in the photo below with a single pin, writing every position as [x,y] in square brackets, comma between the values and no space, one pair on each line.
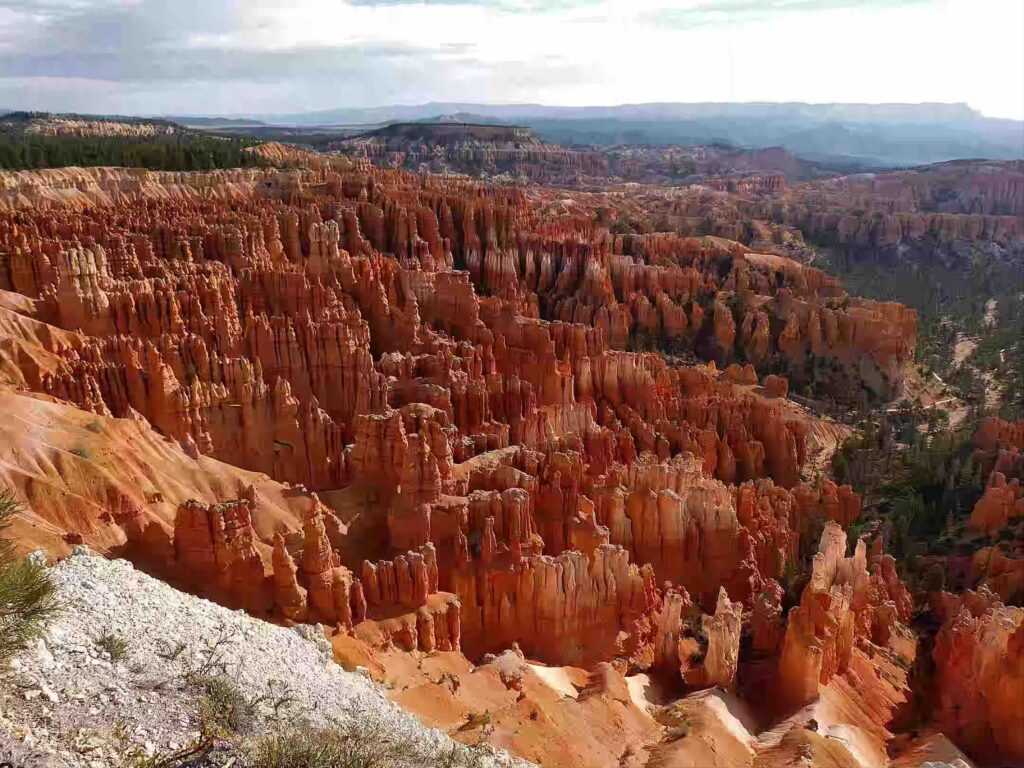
[658,111]
[871,135]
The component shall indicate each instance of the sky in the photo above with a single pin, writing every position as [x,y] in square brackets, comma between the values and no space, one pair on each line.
[224,57]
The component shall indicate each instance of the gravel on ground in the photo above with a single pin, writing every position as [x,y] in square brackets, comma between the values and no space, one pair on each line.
[66,703]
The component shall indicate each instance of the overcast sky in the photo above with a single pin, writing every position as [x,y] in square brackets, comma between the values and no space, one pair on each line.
[275,56]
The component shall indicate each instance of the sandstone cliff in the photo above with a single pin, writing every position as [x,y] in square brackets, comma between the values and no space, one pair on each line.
[442,428]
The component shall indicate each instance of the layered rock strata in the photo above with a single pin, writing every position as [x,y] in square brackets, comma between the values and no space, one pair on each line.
[450,385]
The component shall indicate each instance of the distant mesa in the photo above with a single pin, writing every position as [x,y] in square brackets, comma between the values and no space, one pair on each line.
[443,131]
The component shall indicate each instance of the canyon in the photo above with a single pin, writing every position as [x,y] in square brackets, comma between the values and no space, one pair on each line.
[540,474]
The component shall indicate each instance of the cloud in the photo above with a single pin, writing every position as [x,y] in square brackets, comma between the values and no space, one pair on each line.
[708,12]
[203,56]
[159,42]
[378,3]
[131,64]
[235,56]
[156,40]
[508,6]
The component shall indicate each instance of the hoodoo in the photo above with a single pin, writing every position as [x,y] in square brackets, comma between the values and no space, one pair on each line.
[583,455]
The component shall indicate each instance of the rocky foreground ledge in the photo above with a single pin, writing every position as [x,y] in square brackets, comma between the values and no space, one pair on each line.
[71,702]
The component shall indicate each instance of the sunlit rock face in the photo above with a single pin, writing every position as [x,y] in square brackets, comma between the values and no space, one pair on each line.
[979,662]
[843,604]
[999,450]
[429,414]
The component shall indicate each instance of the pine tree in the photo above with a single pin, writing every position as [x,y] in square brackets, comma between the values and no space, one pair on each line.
[28,596]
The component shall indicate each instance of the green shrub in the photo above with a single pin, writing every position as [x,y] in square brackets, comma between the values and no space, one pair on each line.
[223,707]
[358,744]
[116,647]
[678,732]
[132,755]
[902,661]
[28,597]
[324,748]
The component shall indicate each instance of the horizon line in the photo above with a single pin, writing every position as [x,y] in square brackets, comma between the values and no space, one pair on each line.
[529,104]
